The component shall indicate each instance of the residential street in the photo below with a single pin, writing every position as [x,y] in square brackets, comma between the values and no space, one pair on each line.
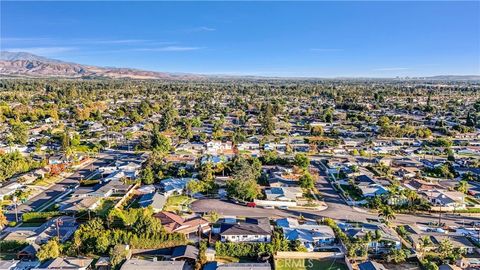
[337,209]
[49,195]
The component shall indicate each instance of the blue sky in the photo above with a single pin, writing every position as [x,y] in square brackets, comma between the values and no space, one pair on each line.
[319,39]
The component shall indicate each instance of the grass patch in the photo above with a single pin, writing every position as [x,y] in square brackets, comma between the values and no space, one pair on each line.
[471,200]
[105,207]
[47,181]
[307,264]
[354,193]
[175,203]
[31,224]
[227,259]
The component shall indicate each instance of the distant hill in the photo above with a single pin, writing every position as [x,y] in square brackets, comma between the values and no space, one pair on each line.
[25,64]
[30,65]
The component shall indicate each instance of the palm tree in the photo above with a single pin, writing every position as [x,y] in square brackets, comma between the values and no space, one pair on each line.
[412,196]
[387,213]
[424,244]
[462,186]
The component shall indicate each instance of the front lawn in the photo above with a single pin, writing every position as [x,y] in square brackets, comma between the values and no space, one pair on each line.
[353,192]
[105,207]
[47,181]
[177,203]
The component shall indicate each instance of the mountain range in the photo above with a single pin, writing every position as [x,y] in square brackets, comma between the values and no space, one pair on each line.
[23,64]
[31,65]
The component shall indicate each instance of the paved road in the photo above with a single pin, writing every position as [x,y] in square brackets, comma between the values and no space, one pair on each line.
[337,209]
[50,194]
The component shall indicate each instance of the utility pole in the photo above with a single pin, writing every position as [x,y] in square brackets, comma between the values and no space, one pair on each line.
[440,216]
[16,212]
[58,230]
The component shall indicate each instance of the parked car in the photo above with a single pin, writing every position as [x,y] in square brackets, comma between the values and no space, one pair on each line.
[251,204]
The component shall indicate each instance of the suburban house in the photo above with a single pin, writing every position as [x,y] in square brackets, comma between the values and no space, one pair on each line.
[251,148]
[66,263]
[145,264]
[444,198]
[458,241]
[310,234]
[372,190]
[173,186]
[9,189]
[252,230]
[284,193]
[62,227]
[388,237]
[219,148]
[155,200]
[371,265]
[174,223]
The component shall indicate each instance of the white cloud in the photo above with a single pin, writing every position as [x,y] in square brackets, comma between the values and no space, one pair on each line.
[201,29]
[391,69]
[169,49]
[325,50]
[44,51]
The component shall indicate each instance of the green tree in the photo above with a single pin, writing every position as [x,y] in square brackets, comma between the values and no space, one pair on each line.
[266,119]
[19,133]
[316,131]
[117,255]
[147,176]
[3,220]
[306,180]
[49,250]
[302,161]
[397,255]
[462,186]
[243,189]
[387,213]
[160,142]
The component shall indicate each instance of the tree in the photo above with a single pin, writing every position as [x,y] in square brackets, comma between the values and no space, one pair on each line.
[243,189]
[397,256]
[445,248]
[147,176]
[3,220]
[117,255]
[387,213]
[468,176]
[213,216]
[450,154]
[302,161]
[266,119]
[316,131]
[160,142]
[238,136]
[383,121]
[49,250]
[424,243]
[19,133]
[306,180]
[194,187]
[471,121]
[462,186]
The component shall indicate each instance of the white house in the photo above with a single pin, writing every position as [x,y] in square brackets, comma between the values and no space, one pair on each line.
[252,230]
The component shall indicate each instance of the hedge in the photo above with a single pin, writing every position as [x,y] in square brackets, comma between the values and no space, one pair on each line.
[39,216]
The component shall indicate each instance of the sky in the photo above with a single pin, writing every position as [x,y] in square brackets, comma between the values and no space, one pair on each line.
[289,39]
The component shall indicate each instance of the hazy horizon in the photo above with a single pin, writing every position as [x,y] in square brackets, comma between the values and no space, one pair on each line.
[278,39]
